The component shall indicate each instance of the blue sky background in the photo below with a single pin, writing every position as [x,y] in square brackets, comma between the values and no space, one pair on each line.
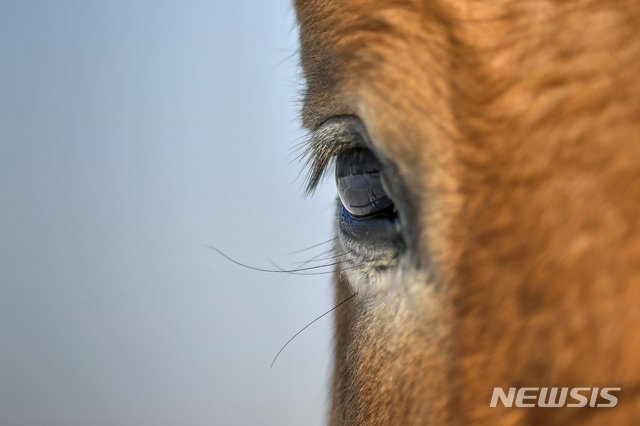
[132,134]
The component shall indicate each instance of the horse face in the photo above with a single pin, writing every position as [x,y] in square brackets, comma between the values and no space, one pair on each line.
[487,164]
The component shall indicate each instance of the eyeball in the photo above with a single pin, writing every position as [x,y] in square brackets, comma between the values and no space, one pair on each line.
[359,184]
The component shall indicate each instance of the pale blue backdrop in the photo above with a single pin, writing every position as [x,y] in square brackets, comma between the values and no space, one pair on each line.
[132,134]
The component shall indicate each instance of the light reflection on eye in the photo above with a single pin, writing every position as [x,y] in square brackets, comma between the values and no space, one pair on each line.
[359,184]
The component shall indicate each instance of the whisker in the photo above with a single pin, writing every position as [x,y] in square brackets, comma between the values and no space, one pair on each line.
[308,268]
[317,258]
[279,270]
[313,246]
[341,270]
[308,325]
[314,258]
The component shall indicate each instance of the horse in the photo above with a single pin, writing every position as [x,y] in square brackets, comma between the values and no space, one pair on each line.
[487,164]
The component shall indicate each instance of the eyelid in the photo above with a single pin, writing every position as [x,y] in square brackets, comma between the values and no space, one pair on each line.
[332,137]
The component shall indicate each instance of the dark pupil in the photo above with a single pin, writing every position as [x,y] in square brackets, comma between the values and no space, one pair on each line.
[359,184]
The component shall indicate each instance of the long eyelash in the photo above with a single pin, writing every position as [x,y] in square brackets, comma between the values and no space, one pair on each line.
[333,137]
[316,157]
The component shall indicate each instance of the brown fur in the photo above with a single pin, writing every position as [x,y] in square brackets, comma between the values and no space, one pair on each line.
[515,125]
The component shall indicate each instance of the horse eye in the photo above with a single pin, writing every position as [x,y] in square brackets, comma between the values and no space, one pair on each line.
[359,183]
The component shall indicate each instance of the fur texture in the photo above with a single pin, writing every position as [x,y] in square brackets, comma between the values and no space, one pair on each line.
[515,127]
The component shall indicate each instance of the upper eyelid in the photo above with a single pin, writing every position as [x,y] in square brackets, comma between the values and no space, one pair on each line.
[329,139]
[342,129]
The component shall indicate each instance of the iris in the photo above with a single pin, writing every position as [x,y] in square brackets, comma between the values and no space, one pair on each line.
[359,184]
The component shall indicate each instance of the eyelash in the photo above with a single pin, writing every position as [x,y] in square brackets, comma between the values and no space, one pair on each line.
[334,137]
[317,158]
